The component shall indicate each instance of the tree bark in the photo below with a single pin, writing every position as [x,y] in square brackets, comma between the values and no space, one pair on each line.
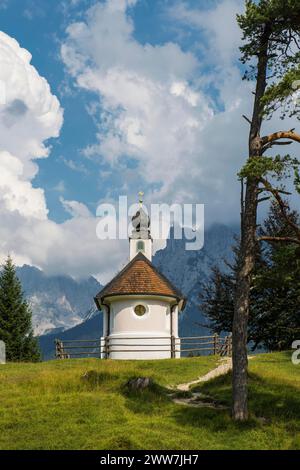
[241,311]
[247,256]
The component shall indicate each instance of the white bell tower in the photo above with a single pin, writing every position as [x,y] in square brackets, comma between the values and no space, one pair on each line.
[140,240]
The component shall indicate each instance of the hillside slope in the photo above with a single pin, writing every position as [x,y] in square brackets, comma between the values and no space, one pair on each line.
[54,406]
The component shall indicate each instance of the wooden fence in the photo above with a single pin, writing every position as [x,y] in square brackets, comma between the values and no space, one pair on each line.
[186,346]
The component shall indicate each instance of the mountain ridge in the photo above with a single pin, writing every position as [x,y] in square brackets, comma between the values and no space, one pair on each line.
[185,269]
[58,302]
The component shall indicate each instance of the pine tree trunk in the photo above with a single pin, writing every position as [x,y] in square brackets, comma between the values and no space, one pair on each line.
[241,312]
[247,255]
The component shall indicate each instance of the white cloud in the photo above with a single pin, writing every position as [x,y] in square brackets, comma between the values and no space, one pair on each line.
[18,195]
[76,209]
[154,110]
[60,187]
[30,115]
[219,25]
[142,116]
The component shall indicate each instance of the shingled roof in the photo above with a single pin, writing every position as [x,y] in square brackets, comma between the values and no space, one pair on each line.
[139,277]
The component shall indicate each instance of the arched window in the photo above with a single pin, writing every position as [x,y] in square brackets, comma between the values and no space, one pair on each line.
[140,246]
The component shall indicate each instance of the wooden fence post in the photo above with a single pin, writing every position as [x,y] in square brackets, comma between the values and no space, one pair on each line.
[57,353]
[106,347]
[173,354]
[59,350]
[216,336]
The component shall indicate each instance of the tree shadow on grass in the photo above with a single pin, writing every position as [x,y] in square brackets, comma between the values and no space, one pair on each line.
[274,400]
[269,401]
[213,421]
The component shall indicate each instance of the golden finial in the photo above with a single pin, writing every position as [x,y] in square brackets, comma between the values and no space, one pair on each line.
[141,200]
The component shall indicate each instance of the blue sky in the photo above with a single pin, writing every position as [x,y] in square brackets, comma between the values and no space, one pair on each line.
[144,94]
[39,26]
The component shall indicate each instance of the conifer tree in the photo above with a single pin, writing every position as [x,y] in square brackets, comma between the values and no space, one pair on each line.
[15,318]
[271,52]
[274,314]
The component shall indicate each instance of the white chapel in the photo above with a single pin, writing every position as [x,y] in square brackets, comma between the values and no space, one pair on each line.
[140,305]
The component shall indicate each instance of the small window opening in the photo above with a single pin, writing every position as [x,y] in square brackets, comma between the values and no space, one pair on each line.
[140,246]
[140,310]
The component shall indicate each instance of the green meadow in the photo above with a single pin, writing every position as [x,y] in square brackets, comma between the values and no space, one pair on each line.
[85,404]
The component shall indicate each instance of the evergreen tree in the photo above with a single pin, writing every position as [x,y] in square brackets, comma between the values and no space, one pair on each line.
[274,315]
[271,53]
[15,318]
[276,287]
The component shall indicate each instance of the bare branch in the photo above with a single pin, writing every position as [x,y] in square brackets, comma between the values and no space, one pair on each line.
[279,239]
[280,135]
[280,191]
[286,193]
[277,142]
[247,119]
[262,199]
[282,206]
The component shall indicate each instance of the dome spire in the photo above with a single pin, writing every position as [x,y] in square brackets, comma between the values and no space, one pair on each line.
[140,240]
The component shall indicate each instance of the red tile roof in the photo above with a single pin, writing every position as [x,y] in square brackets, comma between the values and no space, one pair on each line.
[139,277]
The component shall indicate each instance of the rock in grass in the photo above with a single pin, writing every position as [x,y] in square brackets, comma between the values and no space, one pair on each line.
[139,383]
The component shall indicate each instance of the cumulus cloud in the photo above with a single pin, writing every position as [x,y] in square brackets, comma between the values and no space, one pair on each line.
[29,115]
[17,194]
[149,110]
[75,208]
[218,23]
[153,107]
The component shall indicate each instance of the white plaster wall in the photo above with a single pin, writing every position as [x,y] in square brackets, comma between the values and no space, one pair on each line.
[105,319]
[175,321]
[155,320]
[134,337]
[2,352]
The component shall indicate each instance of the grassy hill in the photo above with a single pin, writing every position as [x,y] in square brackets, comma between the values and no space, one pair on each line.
[53,406]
